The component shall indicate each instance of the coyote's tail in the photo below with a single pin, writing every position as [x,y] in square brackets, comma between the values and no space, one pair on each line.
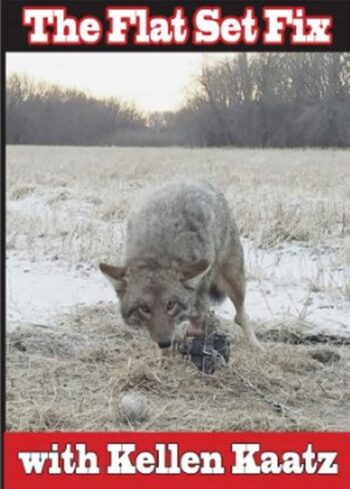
[216,294]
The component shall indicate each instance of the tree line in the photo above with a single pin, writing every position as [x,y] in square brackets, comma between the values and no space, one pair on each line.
[255,100]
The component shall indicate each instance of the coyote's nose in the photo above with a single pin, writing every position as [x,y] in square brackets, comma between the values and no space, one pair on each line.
[164,344]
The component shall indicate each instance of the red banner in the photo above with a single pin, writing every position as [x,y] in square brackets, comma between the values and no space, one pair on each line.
[151,460]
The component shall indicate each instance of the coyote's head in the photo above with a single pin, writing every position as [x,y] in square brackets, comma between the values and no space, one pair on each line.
[156,297]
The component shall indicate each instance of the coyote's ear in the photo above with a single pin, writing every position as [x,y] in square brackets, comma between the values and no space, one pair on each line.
[116,275]
[193,274]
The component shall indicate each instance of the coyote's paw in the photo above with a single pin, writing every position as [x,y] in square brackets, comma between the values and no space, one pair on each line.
[193,331]
[256,345]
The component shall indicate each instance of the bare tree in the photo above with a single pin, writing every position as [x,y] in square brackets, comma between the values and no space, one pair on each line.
[269,99]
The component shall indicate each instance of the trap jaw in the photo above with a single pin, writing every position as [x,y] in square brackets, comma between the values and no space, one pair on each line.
[206,351]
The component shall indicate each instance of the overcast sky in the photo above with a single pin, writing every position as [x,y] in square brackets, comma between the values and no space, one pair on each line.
[154,81]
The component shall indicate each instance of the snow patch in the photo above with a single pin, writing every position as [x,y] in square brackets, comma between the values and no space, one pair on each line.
[280,286]
[38,291]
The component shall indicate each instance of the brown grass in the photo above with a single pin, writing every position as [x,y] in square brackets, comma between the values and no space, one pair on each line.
[73,378]
[277,196]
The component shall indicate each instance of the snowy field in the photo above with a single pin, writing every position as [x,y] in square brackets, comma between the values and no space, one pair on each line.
[66,211]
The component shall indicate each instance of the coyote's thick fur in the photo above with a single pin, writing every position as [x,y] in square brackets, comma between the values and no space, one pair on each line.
[182,249]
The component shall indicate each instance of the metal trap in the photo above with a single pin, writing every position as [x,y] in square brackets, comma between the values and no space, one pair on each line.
[206,351]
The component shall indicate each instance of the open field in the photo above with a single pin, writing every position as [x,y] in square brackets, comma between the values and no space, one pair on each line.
[70,358]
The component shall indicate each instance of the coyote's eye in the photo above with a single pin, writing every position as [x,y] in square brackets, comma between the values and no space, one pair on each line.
[171,305]
[145,309]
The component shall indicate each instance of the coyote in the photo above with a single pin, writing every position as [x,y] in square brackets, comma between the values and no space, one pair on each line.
[182,250]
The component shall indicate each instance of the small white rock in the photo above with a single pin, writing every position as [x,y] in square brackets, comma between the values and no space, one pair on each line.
[134,406]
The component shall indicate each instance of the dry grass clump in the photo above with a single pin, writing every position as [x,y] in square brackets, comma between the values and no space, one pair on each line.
[73,378]
[18,192]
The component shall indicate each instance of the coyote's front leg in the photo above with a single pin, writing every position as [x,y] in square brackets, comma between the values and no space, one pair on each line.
[196,327]
[200,314]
